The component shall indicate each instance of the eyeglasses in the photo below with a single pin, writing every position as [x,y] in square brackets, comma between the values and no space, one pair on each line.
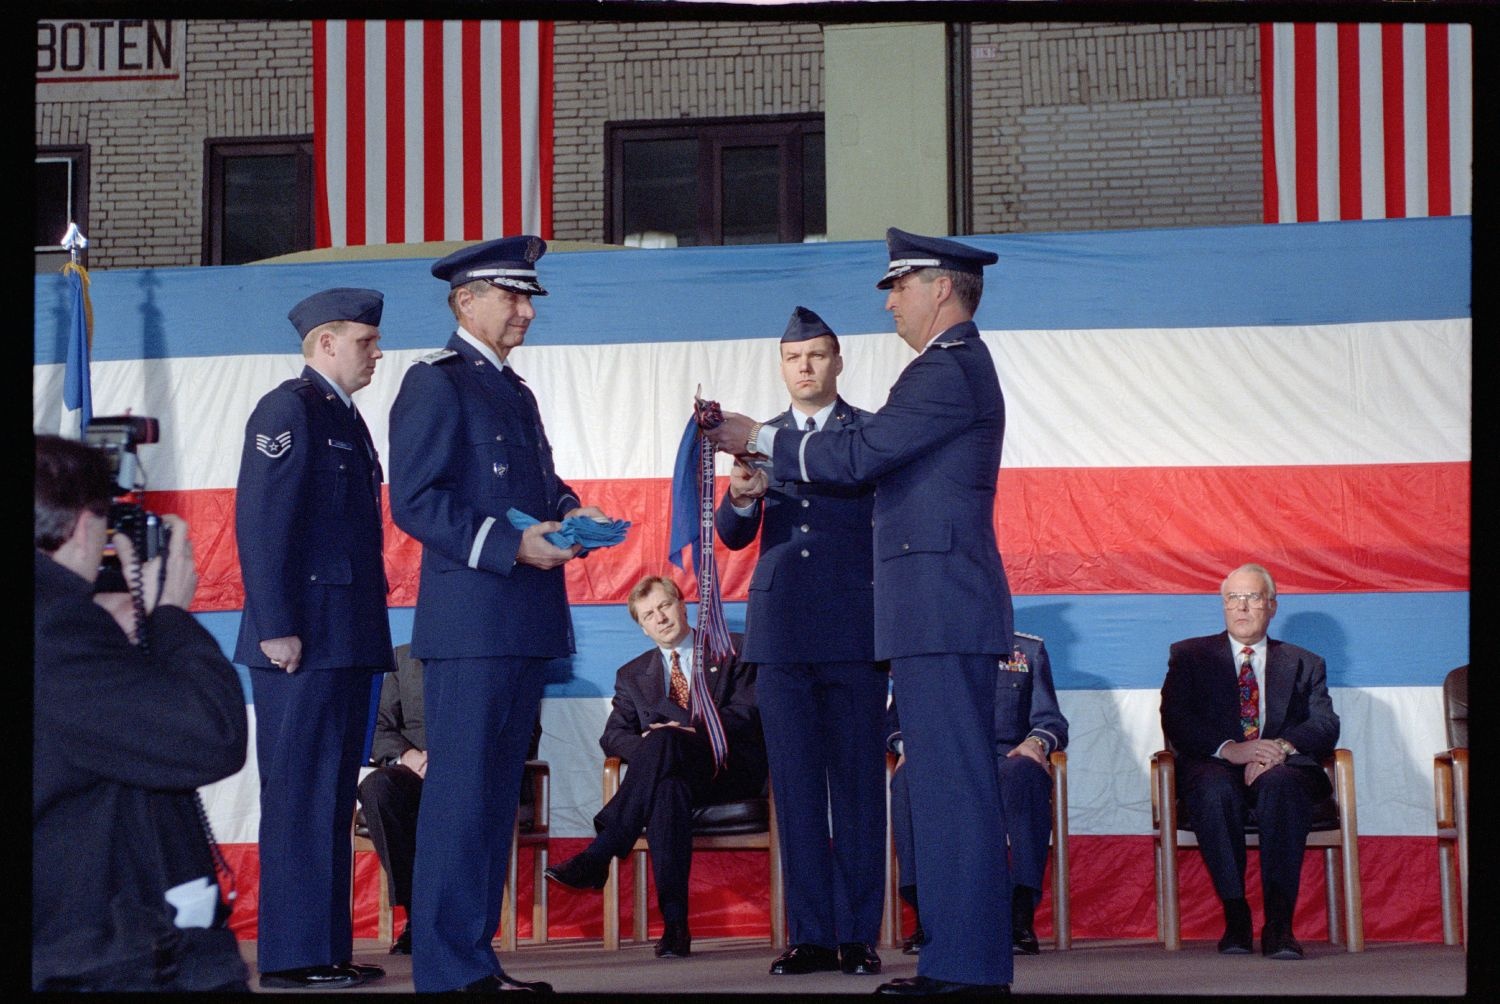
[1255,600]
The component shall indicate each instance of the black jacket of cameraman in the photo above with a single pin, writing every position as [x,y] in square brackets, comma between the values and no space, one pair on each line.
[121,740]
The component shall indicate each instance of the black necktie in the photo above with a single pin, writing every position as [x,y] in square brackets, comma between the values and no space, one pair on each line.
[811,425]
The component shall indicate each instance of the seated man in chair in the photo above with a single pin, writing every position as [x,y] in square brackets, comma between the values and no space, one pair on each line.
[1250,720]
[671,762]
[391,796]
[1029,728]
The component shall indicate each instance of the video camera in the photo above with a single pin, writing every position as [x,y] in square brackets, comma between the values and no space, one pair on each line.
[117,437]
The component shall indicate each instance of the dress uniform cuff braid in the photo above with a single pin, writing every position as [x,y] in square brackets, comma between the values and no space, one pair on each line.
[478,547]
[754,435]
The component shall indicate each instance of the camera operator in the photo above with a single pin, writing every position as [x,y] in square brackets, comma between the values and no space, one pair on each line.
[129,719]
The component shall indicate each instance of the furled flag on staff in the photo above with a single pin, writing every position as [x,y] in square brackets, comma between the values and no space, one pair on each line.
[78,394]
[431,130]
[693,523]
[1366,121]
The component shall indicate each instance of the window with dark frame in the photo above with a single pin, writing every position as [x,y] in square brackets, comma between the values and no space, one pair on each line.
[61,180]
[715,181]
[258,198]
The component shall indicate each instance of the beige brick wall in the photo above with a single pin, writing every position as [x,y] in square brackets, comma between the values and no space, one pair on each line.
[1075,126]
[1080,126]
[247,79]
[610,71]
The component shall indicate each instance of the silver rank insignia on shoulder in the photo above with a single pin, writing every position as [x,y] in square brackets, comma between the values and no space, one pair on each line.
[436,356]
[274,447]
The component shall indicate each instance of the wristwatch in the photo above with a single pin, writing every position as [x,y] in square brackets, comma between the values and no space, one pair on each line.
[1284,746]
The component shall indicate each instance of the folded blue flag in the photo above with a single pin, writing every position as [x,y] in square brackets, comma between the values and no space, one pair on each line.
[587,531]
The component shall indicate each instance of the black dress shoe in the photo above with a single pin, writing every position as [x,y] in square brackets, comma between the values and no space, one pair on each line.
[496,984]
[1237,930]
[366,973]
[312,978]
[858,959]
[805,958]
[1276,942]
[581,871]
[913,945]
[922,986]
[675,942]
[402,944]
[1023,941]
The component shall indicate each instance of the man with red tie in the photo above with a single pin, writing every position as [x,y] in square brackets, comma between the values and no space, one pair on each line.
[1251,720]
[671,762]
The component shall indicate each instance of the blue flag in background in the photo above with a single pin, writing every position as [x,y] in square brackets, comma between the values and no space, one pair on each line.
[77,390]
[686,527]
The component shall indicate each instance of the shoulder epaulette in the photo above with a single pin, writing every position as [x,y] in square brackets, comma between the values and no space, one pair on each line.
[1023,634]
[954,344]
[436,356]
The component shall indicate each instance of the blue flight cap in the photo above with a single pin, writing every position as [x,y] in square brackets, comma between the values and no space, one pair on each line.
[806,325]
[341,304]
[910,252]
[509,262]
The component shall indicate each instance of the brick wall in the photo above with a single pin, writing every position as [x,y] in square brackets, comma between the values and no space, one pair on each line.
[608,71]
[1107,126]
[247,79]
[1075,126]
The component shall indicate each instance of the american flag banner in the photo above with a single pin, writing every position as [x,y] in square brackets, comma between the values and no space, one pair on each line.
[431,130]
[1366,121]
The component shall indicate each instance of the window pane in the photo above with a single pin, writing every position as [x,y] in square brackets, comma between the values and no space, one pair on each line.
[260,208]
[661,188]
[53,201]
[814,193]
[752,194]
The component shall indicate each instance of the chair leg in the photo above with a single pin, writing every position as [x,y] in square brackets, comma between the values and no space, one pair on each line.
[1332,880]
[778,896]
[1354,919]
[612,907]
[1446,881]
[508,898]
[539,894]
[386,924]
[640,928]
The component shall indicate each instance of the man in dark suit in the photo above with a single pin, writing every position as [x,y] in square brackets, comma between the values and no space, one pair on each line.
[1029,728]
[467,446]
[809,629]
[1251,720]
[942,605]
[391,795]
[671,762]
[314,630]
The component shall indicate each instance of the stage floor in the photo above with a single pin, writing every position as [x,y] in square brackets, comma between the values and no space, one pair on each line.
[739,966]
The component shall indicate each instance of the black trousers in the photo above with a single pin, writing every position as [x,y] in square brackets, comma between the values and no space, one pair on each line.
[391,797]
[1219,802]
[672,774]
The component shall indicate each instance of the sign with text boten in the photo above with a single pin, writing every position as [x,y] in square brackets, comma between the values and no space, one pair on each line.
[96,59]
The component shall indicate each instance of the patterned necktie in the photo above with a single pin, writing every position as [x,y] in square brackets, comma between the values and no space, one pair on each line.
[1249,696]
[679,683]
[812,425]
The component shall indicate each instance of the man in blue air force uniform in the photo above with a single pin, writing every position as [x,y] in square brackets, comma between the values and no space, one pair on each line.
[1029,728]
[942,604]
[467,445]
[314,631]
[810,631]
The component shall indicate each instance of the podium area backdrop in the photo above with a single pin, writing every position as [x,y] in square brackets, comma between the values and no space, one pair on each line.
[1178,401]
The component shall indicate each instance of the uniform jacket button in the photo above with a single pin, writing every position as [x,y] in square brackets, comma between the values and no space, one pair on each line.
[804,552]
[906,547]
[804,528]
[805,503]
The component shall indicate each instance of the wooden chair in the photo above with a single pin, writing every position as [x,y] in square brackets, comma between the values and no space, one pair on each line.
[1451,788]
[749,824]
[530,830]
[1062,922]
[1335,830]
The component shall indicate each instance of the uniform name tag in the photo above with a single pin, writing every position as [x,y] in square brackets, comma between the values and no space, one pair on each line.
[339,444]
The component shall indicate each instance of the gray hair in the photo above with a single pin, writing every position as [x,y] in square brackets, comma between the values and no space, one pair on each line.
[1258,570]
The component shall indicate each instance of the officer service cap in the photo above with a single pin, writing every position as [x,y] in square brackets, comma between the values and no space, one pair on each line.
[509,262]
[341,304]
[805,326]
[910,252]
